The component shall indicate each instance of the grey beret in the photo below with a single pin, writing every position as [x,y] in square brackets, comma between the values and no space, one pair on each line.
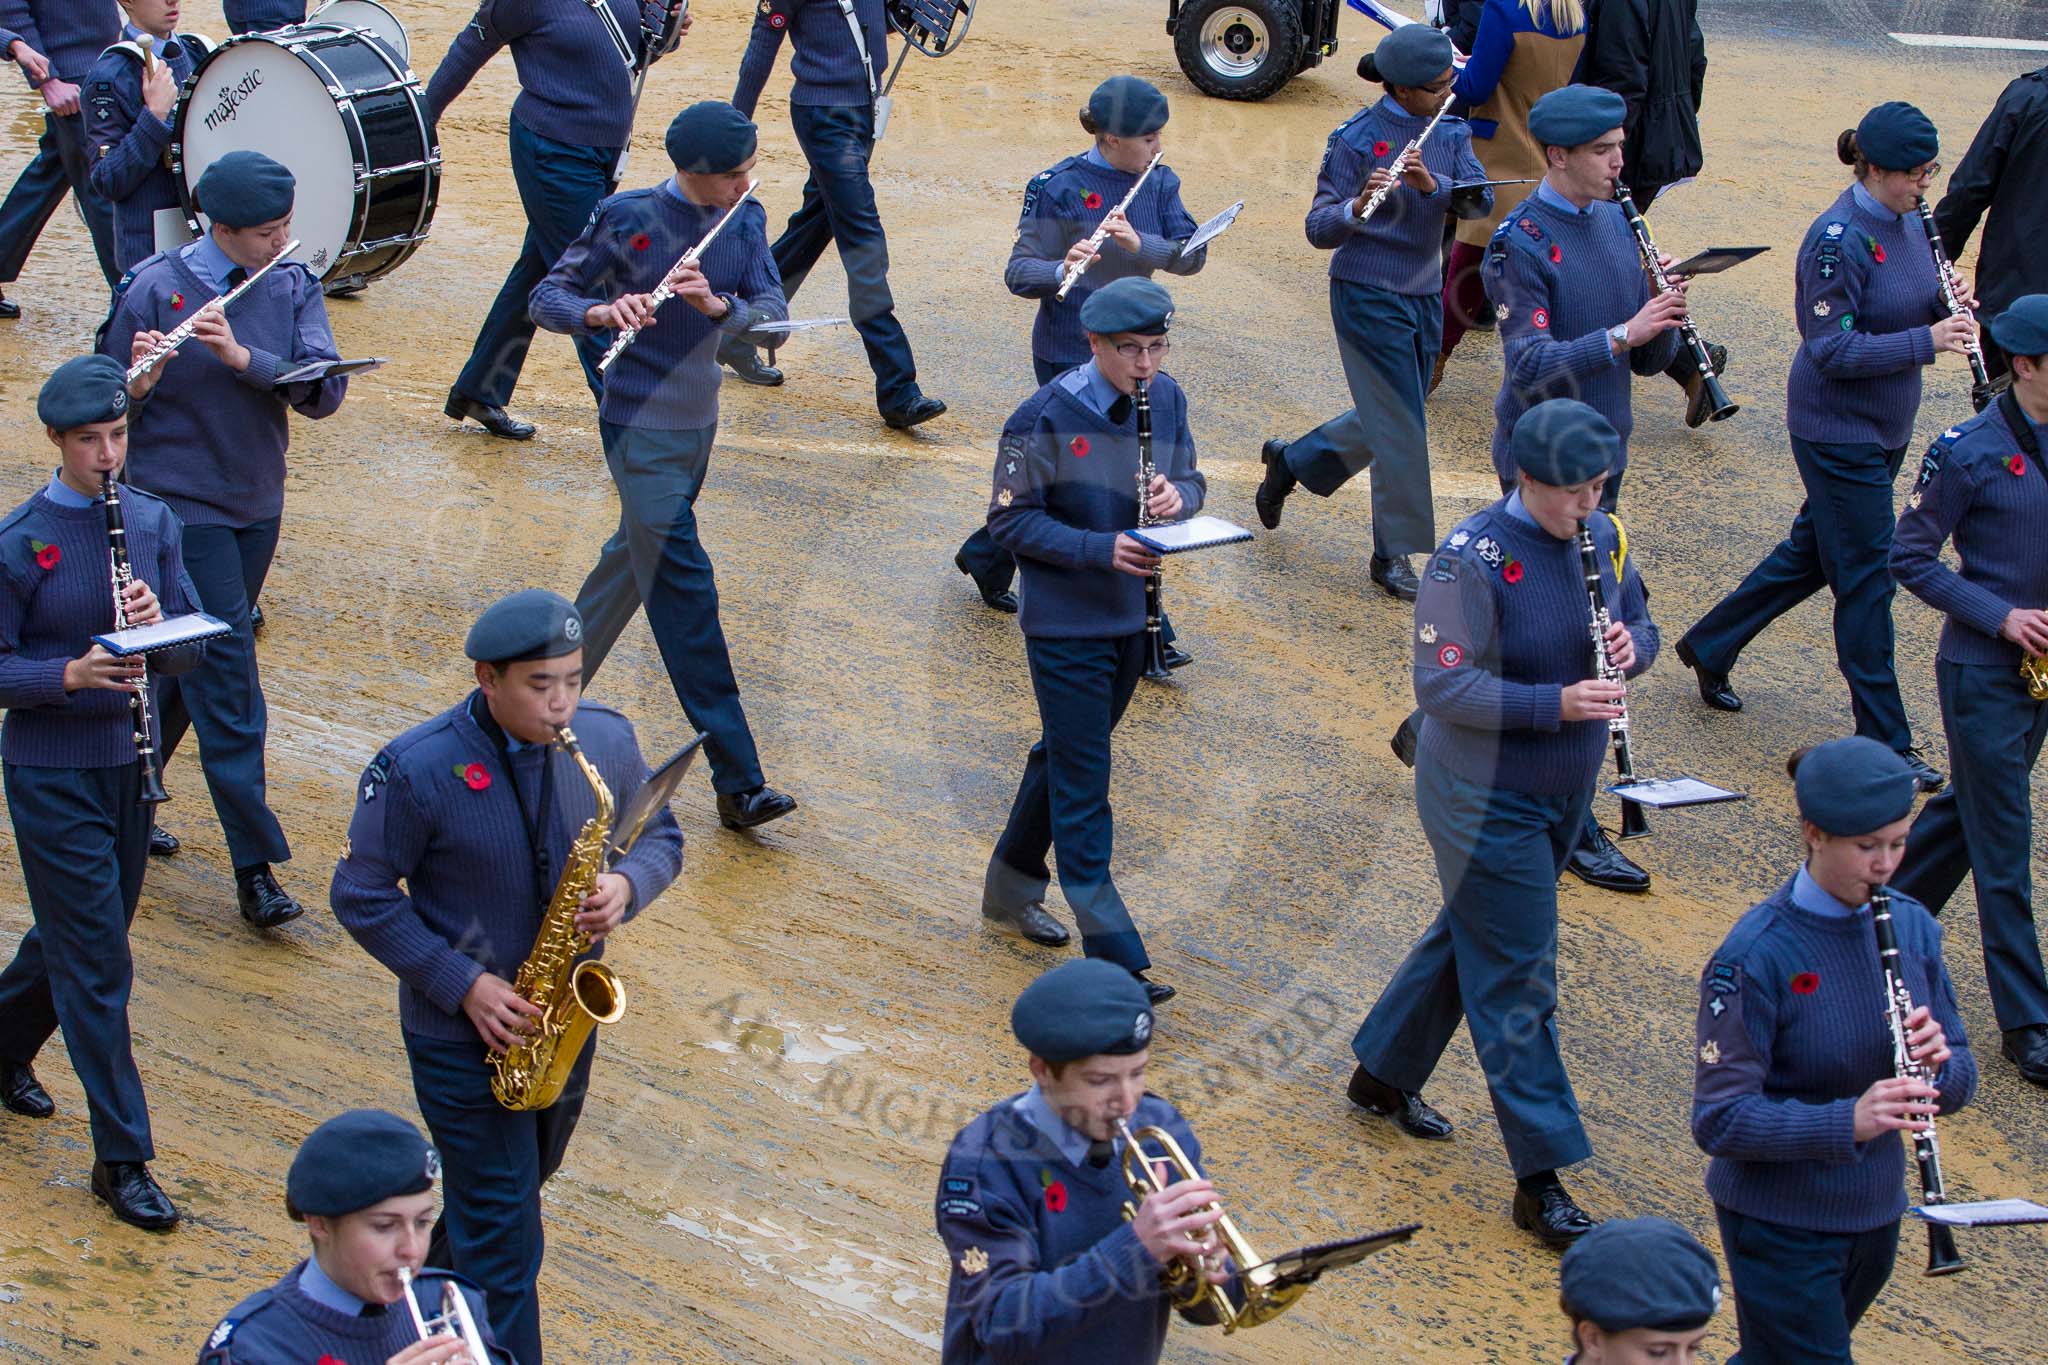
[1084,1008]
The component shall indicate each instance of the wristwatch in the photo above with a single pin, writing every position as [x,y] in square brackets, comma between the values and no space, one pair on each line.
[1617,336]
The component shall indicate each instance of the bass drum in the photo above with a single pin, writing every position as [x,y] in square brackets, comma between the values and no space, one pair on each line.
[366,14]
[345,116]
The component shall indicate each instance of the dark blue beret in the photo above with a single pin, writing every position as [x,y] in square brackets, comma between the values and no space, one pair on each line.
[533,624]
[1088,1007]
[1575,114]
[1897,137]
[242,189]
[1853,786]
[710,138]
[1130,304]
[1124,106]
[358,1159]
[92,388]
[1562,441]
[1640,1272]
[2022,329]
[1413,54]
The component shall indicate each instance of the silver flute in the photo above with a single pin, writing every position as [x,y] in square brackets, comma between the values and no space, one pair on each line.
[1400,163]
[182,333]
[1101,233]
[666,290]
[453,1320]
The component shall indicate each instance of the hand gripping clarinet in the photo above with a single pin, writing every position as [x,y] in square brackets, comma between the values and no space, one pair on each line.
[1101,233]
[1942,1256]
[666,290]
[152,791]
[1980,377]
[1719,406]
[1155,639]
[1634,823]
[1401,163]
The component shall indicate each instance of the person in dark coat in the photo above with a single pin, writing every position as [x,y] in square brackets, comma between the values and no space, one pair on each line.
[2005,172]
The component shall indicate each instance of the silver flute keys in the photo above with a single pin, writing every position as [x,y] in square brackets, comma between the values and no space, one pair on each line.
[182,333]
[666,290]
[1101,233]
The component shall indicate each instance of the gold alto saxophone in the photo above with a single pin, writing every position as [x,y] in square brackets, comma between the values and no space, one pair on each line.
[2034,668]
[574,997]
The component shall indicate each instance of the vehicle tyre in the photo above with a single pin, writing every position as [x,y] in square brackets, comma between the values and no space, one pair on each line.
[1238,49]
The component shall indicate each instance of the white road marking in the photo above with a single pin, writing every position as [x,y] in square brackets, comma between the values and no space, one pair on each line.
[1957,40]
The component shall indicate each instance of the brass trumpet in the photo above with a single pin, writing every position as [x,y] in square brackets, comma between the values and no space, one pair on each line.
[1265,1295]
[452,1319]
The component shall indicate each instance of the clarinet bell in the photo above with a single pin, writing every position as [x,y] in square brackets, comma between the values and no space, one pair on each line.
[152,792]
[1706,401]
[1942,1256]
[1634,823]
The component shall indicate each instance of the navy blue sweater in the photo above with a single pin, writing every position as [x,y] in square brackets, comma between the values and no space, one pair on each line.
[1502,627]
[1066,485]
[282,1324]
[261,16]
[1043,1264]
[52,606]
[826,65]
[574,86]
[71,33]
[473,899]
[1559,279]
[1400,249]
[668,378]
[1791,1031]
[1866,295]
[1064,205]
[211,442]
[1978,487]
[128,145]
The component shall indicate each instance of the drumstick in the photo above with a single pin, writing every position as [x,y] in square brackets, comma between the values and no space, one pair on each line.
[145,42]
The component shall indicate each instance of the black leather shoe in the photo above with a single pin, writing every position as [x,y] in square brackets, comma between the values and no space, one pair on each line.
[918,409]
[1696,410]
[262,901]
[1175,656]
[1275,486]
[2026,1048]
[1000,598]
[1552,1215]
[1395,576]
[1597,862]
[133,1194]
[1714,688]
[1032,922]
[9,309]
[744,810]
[1408,1110]
[255,618]
[1156,992]
[1406,736]
[162,843]
[1925,776]
[491,418]
[22,1093]
[746,362]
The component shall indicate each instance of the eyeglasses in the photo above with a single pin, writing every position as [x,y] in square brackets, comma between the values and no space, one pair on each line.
[1927,172]
[1131,350]
[1438,87]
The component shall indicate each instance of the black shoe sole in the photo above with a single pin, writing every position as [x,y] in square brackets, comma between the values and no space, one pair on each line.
[146,1224]
[13,1107]
[1691,661]
[730,823]
[1003,924]
[1548,1239]
[270,922]
[458,408]
[904,421]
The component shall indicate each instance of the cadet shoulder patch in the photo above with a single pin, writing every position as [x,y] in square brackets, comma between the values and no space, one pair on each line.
[1444,569]
[376,776]
[1724,978]
[1489,550]
[956,1198]
[973,1261]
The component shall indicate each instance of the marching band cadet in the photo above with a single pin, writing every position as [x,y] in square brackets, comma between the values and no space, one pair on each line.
[1870,310]
[363,1184]
[1063,208]
[1983,485]
[2004,175]
[659,416]
[212,443]
[1794,1095]
[72,776]
[1065,493]
[1044,1264]
[1639,1291]
[55,43]
[438,810]
[573,117]
[262,16]
[1514,734]
[841,48]
[1386,298]
[128,103]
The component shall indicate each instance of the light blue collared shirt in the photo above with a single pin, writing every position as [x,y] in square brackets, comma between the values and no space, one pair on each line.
[1039,1113]
[64,495]
[1549,194]
[1094,157]
[166,47]
[1520,513]
[1088,383]
[315,1285]
[208,262]
[1867,201]
[1811,896]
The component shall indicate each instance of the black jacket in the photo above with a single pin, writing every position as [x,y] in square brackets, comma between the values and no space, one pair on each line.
[1461,21]
[2005,171]
[1652,54]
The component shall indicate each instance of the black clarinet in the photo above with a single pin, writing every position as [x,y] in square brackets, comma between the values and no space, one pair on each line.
[1155,638]
[1942,1256]
[1952,299]
[152,791]
[1719,405]
[1634,824]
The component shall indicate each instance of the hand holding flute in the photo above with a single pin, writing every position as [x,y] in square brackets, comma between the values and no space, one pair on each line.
[1113,223]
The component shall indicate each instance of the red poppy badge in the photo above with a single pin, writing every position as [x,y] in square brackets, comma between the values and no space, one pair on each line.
[1381,148]
[47,556]
[1806,983]
[641,241]
[2017,464]
[1079,445]
[1091,200]
[1513,572]
[475,775]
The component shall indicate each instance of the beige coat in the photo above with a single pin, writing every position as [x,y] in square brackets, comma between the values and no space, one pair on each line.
[1538,65]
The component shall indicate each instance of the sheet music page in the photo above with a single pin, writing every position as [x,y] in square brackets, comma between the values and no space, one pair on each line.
[1674,791]
[1214,228]
[1197,533]
[1983,1212]
[177,630]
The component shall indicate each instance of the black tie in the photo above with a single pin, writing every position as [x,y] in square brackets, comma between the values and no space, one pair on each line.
[235,278]
[1120,410]
[1099,1152]
[371,1310]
